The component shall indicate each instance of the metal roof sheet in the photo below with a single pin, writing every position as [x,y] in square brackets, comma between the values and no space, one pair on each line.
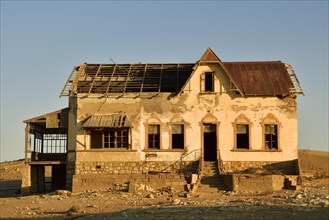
[107,121]
[265,78]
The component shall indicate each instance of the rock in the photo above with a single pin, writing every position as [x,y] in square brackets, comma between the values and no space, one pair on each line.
[149,196]
[176,201]
[299,196]
[63,192]
[74,209]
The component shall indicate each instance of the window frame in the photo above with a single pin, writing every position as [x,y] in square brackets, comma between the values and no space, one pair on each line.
[203,80]
[109,130]
[147,136]
[270,119]
[242,120]
[171,124]
[271,143]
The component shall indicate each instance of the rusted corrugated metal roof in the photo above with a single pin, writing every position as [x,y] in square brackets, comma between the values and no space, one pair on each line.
[266,78]
[107,121]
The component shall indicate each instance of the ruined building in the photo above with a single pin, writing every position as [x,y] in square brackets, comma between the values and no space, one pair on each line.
[163,122]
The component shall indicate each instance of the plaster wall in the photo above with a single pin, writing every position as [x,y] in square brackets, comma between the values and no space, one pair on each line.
[193,108]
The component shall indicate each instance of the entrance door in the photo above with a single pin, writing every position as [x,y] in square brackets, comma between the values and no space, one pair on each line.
[209,142]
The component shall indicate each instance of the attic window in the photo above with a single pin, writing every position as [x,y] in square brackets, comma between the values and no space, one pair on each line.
[207,82]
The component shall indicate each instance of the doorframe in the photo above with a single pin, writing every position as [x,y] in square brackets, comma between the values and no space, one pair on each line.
[209,119]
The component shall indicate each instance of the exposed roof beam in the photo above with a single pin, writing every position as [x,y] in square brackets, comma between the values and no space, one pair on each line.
[108,86]
[93,83]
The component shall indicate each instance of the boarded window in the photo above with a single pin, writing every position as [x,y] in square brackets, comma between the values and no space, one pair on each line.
[177,136]
[154,136]
[242,136]
[271,137]
[96,139]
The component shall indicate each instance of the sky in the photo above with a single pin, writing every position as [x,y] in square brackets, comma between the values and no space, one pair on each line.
[42,41]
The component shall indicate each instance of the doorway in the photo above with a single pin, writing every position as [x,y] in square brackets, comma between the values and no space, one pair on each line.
[210,142]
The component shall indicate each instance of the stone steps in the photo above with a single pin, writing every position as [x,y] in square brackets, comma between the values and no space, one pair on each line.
[210,181]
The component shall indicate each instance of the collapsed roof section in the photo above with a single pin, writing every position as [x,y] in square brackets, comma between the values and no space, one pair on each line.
[117,79]
[272,78]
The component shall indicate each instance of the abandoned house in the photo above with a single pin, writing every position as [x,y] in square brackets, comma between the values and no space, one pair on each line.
[169,124]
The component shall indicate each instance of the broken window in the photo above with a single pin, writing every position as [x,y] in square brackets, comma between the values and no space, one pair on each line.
[242,136]
[110,138]
[271,136]
[153,136]
[177,136]
[207,82]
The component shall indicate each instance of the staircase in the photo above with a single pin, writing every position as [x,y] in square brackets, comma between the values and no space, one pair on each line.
[210,181]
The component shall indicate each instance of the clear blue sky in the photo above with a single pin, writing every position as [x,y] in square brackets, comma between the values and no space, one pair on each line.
[42,41]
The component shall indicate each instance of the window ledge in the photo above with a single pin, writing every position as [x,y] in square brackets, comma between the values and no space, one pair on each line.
[208,93]
[261,150]
[164,150]
[107,150]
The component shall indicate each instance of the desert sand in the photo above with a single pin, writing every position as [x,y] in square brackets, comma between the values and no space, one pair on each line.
[311,201]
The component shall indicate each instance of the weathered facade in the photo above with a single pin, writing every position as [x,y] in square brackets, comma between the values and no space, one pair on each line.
[126,121]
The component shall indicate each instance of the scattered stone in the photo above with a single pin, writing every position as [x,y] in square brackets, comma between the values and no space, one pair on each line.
[149,196]
[176,201]
[74,209]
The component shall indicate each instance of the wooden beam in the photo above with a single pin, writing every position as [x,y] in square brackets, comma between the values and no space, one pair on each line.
[160,78]
[108,86]
[92,84]
[177,78]
[143,79]
[124,89]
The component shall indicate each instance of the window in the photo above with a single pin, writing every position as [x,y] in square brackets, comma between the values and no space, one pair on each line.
[271,132]
[113,138]
[242,136]
[177,136]
[242,126]
[207,82]
[271,136]
[153,136]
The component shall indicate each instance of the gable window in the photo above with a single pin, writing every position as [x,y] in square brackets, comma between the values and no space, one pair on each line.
[110,138]
[153,136]
[242,136]
[271,136]
[177,136]
[207,82]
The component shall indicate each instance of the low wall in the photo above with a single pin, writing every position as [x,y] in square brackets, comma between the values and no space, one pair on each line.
[138,167]
[259,183]
[105,181]
[260,167]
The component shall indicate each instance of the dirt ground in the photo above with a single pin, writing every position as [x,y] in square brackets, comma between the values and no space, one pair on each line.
[311,201]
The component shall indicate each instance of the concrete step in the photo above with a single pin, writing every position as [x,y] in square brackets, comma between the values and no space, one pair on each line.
[211,184]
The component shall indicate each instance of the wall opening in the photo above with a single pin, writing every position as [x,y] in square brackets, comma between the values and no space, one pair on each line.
[209,82]
[210,142]
[48,178]
[177,136]
[242,136]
